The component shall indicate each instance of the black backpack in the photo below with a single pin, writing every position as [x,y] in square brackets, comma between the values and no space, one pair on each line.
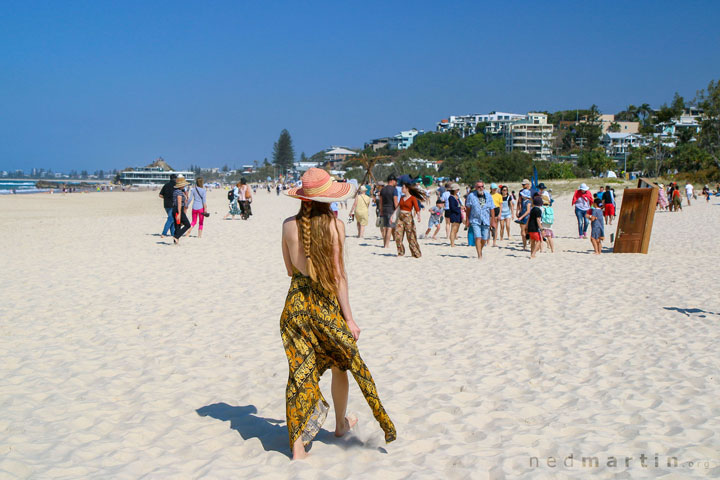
[231,195]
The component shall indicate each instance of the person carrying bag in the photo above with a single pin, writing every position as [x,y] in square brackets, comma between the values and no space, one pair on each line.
[199,207]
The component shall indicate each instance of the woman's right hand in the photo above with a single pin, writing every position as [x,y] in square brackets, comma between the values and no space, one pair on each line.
[354,329]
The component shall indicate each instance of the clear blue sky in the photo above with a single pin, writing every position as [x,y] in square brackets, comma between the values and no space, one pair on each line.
[110,84]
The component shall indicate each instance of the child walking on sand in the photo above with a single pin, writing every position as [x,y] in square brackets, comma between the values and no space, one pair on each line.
[436,218]
[547,219]
[597,226]
[534,226]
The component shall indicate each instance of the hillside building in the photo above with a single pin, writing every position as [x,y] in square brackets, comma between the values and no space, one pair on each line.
[532,134]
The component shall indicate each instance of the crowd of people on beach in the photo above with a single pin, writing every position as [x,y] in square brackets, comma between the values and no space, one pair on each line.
[670,197]
[485,214]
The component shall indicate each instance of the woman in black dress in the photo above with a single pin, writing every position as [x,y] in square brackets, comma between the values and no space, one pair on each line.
[454,212]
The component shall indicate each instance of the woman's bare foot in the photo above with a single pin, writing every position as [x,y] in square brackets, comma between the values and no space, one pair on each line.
[350,422]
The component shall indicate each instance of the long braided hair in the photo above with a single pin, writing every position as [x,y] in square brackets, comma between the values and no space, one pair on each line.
[314,221]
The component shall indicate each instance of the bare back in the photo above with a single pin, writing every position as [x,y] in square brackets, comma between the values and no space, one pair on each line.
[293,252]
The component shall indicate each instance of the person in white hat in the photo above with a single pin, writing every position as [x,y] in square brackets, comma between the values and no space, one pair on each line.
[454,211]
[582,200]
[317,326]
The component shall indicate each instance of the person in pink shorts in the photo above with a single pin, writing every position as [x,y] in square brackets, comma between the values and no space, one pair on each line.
[199,206]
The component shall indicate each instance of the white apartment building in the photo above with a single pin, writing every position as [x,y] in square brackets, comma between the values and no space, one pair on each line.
[529,133]
[406,138]
[498,123]
[533,135]
[618,143]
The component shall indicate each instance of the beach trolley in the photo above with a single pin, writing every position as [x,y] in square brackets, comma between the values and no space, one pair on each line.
[636,218]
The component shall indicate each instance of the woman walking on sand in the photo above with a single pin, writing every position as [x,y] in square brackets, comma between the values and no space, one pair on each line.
[317,325]
[583,201]
[405,223]
[180,206]
[524,207]
[506,212]
[662,201]
[234,206]
[361,209]
[454,212]
[244,199]
[199,206]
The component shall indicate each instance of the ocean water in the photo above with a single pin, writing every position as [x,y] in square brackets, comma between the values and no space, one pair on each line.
[17,184]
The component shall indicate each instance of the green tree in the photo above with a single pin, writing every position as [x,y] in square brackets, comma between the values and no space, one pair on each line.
[630,114]
[644,112]
[689,157]
[614,127]
[596,161]
[283,152]
[660,153]
[665,114]
[555,170]
[593,115]
[678,105]
[587,135]
[709,137]
[684,135]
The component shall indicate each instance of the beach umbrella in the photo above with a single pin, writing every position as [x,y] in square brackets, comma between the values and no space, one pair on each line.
[534,182]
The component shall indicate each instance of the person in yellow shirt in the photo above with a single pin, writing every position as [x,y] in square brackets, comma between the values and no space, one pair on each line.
[497,200]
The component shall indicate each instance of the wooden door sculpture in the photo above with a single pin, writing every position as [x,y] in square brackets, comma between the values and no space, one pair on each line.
[636,218]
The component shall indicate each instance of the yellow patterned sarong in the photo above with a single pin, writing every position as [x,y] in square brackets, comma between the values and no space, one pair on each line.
[316,337]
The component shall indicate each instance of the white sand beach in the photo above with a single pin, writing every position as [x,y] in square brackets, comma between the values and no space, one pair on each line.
[124,357]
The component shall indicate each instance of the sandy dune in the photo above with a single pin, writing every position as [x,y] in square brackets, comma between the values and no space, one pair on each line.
[126,357]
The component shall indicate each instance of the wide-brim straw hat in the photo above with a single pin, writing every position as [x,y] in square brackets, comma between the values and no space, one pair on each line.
[318,186]
[453,187]
[180,182]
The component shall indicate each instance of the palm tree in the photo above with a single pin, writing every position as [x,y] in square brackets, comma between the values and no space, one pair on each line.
[630,114]
[644,112]
[633,112]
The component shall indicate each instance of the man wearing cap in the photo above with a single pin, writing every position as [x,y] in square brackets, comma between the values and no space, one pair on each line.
[388,203]
[525,188]
[497,200]
[480,215]
[166,193]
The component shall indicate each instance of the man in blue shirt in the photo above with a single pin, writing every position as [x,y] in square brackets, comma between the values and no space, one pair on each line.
[480,212]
